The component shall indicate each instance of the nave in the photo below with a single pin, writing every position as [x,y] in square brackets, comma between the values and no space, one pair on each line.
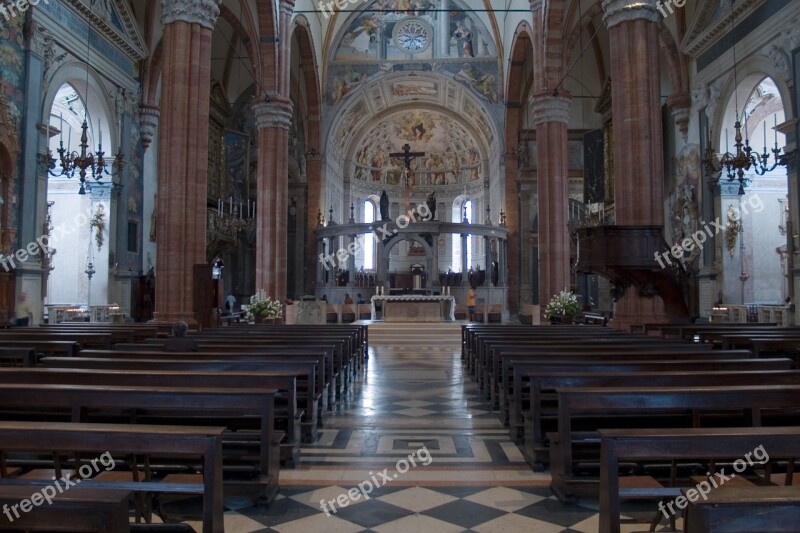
[415,392]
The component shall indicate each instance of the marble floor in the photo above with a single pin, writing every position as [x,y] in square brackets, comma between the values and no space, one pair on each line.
[414,449]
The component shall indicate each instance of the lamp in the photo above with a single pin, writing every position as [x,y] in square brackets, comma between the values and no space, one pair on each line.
[84,162]
[744,158]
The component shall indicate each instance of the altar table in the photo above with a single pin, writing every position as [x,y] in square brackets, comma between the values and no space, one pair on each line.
[415,308]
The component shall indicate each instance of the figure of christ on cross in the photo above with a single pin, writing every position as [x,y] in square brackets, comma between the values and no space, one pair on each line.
[407,156]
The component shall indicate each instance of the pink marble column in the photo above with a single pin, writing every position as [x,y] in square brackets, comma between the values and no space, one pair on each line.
[551,117]
[273,120]
[638,144]
[183,153]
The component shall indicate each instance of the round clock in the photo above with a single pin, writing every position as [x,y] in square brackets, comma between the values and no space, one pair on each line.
[412,35]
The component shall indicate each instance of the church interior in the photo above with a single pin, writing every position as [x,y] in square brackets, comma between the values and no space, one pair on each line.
[540,252]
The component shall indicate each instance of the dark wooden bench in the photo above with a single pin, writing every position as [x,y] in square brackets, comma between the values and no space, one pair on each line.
[191,441]
[85,340]
[684,443]
[169,405]
[511,389]
[17,356]
[745,510]
[79,509]
[310,399]
[287,415]
[612,401]
[542,415]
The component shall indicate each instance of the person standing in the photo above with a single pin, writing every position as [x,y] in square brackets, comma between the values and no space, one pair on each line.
[23,313]
[471,303]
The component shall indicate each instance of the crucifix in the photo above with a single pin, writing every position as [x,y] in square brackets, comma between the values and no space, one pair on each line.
[407,155]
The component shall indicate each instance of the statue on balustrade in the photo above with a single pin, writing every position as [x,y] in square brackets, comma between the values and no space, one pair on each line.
[384,205]
[431,201]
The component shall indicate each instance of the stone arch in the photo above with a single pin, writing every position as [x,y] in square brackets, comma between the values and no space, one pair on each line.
[752,67]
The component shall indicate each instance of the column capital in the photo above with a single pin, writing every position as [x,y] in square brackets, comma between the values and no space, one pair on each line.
[619,11]
[148,123]
[277,113]
[202,12]
[287,7]
[550,108]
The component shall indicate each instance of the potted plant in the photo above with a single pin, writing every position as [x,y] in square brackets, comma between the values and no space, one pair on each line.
[563,308]
[264,308]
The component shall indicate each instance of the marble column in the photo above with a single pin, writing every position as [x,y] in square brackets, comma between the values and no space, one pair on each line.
[183,153]
[487,254]
[638,144]
[551,117]
[443,37]
[273,120]
[464,261]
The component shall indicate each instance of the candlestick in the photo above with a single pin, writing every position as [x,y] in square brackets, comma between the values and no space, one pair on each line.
[775,119]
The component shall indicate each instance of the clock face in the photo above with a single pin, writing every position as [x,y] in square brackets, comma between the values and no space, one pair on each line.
[412,35]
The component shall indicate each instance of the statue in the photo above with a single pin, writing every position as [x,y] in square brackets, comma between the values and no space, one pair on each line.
[384,205]
[431,201]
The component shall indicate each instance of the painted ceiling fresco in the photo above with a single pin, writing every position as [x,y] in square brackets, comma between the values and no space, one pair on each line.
[451,152]
[412,35]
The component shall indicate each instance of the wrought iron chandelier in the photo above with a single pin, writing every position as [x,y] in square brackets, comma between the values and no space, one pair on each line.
[744,159]
[83,163]
[86,162]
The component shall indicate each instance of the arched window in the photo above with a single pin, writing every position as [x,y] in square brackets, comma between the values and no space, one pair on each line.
[462,209]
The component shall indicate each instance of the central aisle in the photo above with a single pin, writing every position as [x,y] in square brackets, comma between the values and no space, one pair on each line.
[413,399]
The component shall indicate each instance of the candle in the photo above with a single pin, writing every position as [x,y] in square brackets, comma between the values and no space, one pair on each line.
[100,133]
[219,206]
[726,140]
[775,119]
[231,205]
[69,139]
[241,211]
[765,135]
[61,128]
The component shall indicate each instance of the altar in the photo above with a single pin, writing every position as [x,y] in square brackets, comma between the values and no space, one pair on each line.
[414,308]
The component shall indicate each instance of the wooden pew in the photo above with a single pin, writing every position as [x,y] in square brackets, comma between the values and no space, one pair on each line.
[745,510]
[285,382]
[321,383]
[102,341]
[46,347]
[171,404]
[691,443]
[17,356]
[193,441]
[511,387]
[627,400]
[79,509]
[540,411]
[309,398]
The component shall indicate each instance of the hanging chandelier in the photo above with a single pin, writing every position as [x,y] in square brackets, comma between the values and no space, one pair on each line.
[744,159]
[84,163]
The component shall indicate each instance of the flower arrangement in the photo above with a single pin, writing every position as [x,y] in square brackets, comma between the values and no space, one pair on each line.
[265,306]
[563,304]
[98,223]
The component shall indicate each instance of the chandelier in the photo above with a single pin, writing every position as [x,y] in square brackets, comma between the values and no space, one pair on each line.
[84,163]
[744,159]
